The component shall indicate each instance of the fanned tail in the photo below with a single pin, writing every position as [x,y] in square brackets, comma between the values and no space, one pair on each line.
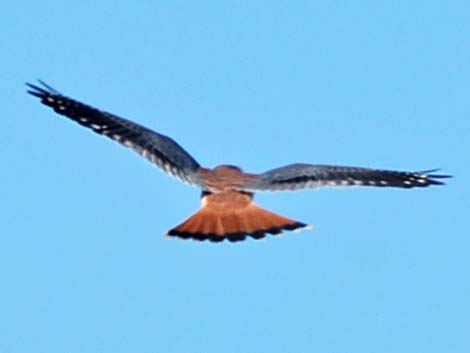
[217,224]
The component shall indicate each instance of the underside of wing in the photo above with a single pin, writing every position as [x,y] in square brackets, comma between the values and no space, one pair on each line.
[308,176]
[160,150]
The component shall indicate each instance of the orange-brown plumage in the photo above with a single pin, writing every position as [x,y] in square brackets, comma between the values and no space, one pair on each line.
[228,211]
[232,215]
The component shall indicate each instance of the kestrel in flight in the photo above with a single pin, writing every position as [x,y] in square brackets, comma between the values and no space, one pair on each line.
[227,211]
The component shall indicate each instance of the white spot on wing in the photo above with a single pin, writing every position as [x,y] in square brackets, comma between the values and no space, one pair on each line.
[96,126]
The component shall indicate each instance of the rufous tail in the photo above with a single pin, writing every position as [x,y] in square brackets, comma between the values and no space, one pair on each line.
[234,225]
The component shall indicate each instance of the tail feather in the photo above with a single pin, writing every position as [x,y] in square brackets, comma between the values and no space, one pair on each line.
[234,225]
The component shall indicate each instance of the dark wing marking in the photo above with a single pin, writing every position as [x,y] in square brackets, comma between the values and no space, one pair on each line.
[308,176]
[156,148]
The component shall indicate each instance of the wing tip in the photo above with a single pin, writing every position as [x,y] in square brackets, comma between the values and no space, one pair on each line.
[431,178]
[41,92]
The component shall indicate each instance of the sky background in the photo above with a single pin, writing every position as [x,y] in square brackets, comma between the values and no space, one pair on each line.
[84,266]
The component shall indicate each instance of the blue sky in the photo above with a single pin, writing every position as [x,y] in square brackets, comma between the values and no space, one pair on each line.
[83,261]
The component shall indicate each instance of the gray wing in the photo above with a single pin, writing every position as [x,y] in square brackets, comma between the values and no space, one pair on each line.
[156,148]
[308,176]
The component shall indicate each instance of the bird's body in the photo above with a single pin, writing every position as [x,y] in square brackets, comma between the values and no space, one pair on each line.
[227,211]
[224,177]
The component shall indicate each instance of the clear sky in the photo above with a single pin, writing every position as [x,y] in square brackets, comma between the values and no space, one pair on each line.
[84,266]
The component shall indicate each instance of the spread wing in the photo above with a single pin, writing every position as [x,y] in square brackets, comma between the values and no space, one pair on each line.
[308,176]
[160,150]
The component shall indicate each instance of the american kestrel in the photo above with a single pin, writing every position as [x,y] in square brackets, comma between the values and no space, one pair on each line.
[227,211]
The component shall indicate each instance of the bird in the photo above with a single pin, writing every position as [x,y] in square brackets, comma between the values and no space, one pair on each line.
[227,209]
